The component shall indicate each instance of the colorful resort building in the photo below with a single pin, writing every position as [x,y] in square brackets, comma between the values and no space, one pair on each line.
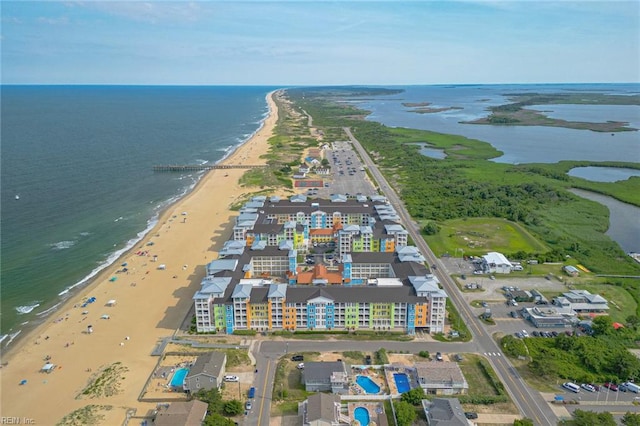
[339,264]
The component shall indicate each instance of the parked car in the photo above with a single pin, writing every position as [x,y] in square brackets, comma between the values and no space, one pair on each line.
[536,333]
[457,357]
[252,392]
[554,333]
[588,387]
[595,387]
[524,333]
[485,304]
[231,379]
[514,314]
[611,386]
[300,366]
[438,356]
[297,358]
[248,405]
[519,335]
[471,415]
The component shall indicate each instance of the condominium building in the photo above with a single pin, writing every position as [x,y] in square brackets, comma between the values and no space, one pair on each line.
[371,280]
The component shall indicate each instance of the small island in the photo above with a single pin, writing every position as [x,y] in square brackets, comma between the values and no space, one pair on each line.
[516,114]
[423,107]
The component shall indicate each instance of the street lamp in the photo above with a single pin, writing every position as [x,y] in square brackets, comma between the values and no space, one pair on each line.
[239,393]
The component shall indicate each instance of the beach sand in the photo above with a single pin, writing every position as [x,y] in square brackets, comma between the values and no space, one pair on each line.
[150,304]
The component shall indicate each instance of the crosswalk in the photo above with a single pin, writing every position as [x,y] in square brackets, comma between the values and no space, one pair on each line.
[497,354]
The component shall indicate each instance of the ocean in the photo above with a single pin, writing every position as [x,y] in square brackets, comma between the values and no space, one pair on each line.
[78,188]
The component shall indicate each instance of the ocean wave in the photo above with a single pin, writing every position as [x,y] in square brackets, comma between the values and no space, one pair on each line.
[13,336]
[62,245]
[46,311]
[85,234]
[27,308]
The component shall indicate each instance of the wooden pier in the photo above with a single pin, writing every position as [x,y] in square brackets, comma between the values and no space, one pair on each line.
[200,167]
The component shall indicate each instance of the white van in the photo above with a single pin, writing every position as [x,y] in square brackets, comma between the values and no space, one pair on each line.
[632,387]
[571,387]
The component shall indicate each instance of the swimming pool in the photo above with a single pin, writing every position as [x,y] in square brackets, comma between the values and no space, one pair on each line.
[361,414]
[177,381]
[402,382]
[367,384]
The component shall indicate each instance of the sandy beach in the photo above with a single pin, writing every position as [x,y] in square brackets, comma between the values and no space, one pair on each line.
[150,304]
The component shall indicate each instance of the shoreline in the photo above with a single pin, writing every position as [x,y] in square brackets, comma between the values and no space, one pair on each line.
[12,338]
[164,296]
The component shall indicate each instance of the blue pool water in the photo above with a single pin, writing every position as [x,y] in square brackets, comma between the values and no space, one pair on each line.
[367,384]
[361,414]
[178,378]
[402,382]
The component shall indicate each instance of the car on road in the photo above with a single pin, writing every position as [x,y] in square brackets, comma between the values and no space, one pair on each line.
[297,358]
[611,386]
[248,405]
[485,304]
[231,379]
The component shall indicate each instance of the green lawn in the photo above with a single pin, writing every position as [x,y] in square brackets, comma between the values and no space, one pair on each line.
[477,236]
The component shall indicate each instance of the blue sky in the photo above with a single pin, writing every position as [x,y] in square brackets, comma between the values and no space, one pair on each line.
[319,42]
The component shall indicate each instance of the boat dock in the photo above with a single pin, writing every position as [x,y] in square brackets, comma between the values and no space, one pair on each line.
[199,167]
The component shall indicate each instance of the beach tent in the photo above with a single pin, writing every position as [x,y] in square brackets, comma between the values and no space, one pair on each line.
[105,316]
[162,267]
[23,382]
[112,279]
[111,302]
[48,368]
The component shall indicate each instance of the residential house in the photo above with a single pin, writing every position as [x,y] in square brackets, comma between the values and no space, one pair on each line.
[441,378]
[190,413]
[444,412]
[325,377]
[321,409]
[207,372]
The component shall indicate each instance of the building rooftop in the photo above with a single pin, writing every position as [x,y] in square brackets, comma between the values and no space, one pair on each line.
[444,412]
[190,413]
[210,364]
[322,371]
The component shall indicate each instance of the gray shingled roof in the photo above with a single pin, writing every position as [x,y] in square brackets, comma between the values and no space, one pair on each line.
[321,406]
[210,364]
[321,371]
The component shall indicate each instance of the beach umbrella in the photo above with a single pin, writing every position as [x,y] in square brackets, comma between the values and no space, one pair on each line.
[23,382]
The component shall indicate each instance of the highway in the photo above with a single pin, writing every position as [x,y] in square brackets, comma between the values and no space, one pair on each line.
[528,401]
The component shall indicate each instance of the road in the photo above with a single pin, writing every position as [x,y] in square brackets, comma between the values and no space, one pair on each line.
[528,401]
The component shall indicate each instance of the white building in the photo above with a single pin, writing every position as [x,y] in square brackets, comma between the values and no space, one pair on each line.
[496,263]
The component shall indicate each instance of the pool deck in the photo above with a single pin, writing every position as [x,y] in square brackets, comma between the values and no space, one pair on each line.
[375,375]
[374,409]
[390,370]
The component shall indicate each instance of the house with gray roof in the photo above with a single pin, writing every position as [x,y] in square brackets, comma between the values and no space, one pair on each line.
[325,377]
[444,412]
[191,413]
[441,378]
[321,409]
[207,372]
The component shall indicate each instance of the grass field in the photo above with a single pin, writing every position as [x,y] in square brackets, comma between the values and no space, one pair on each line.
[477,236]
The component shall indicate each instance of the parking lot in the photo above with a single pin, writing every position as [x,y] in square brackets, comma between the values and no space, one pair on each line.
[493,294]
[348,176]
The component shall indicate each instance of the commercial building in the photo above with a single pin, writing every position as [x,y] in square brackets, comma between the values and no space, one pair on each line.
[369,277]
[496,263]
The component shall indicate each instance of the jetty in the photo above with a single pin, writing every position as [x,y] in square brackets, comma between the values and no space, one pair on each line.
[199,167]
